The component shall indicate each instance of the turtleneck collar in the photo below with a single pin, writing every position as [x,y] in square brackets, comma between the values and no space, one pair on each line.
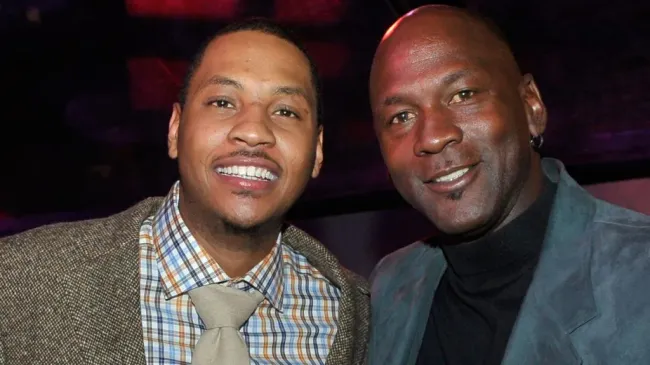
[509,248]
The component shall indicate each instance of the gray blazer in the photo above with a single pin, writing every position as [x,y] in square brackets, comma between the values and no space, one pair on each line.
[588,303]
[71,293]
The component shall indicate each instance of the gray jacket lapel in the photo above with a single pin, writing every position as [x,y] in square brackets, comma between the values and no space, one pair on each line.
[351,339]
[404,303]
[560,298]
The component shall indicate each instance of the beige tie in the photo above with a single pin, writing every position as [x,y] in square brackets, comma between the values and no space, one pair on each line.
[223,310]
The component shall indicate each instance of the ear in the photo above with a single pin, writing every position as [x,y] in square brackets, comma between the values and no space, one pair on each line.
[535,108]
[318,163]
[172,134]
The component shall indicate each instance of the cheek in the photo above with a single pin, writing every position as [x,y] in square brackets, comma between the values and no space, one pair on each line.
[298,150]
[398,155]
[400,161]
[203,135]
[495,132]
[507,125]
[199,143]
[499,142]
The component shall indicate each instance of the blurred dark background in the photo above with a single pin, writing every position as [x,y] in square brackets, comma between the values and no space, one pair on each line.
[87,88]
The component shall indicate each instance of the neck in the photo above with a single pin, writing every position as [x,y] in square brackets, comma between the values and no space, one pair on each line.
[508,248]
[236,250]
[529,192]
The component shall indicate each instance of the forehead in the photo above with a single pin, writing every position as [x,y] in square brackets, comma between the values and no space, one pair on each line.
[436,46]
[255,54]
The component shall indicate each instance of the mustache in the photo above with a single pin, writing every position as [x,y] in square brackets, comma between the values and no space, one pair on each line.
[250,154]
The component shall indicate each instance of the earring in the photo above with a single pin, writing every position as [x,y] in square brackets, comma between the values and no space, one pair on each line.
[537,141]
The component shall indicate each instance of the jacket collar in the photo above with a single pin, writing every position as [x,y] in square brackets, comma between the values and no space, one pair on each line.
[560,298]
[110,275]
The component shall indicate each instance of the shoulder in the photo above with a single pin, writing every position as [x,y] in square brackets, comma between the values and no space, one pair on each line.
[63,243]
[399,262]
[357,281]
[322,260]
[618,231]
[609,214]
[620,268]
[620,236]
[354,312]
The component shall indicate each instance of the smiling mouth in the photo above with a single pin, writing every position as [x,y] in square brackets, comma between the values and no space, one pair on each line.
[247,172]
[452,176]
[455,181]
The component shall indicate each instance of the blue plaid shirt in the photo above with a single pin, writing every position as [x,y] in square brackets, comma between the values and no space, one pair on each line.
[295,324]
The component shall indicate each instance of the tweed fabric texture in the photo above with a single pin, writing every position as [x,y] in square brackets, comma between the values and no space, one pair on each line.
[71,293]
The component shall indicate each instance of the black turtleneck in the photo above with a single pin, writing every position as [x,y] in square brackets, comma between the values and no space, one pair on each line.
[479,295]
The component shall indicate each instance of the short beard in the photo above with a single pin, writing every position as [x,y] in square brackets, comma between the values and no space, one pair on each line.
[252,237]
[209,222]
[235,229]
[250,232]
[455,196]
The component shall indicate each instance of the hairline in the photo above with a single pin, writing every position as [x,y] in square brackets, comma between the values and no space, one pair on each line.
[261,26]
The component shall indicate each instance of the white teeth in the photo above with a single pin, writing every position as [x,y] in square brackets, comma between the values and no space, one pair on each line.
[260,172]
[453,176]
[247,172]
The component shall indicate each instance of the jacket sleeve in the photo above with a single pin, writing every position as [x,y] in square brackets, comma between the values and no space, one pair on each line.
[2,355]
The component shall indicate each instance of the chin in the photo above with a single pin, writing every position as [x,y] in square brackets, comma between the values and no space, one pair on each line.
[242,220]
[248,217]
[459,224]
[242,226]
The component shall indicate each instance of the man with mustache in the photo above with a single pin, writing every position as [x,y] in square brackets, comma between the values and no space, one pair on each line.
[528,268]
[210,274]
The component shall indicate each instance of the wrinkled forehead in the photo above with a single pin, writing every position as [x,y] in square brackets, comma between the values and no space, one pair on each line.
[441,44]
[416,59]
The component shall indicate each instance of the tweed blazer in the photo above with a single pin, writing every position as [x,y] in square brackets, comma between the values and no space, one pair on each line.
[71,293]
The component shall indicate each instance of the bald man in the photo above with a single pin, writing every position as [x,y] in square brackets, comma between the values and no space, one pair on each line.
[526,267]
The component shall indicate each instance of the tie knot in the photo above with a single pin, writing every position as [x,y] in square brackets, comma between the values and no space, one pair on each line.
[220,306]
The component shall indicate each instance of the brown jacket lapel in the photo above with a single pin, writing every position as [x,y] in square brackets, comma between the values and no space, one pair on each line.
[73,292]
[73,295]
[108,322]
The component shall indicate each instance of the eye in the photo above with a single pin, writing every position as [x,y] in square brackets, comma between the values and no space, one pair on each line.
[222,103]
[401,118]
[286,113]
[461,96]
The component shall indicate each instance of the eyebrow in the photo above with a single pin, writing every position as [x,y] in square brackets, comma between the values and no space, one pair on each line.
[454,76]
[446,80]
[292,91]
[223,81]
[280,90]
[392,100]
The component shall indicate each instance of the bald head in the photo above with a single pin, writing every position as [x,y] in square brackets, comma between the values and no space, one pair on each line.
[428,11]
[468,34]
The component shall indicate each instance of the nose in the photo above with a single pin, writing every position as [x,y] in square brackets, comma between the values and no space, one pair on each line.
[253,128]
[434,133]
